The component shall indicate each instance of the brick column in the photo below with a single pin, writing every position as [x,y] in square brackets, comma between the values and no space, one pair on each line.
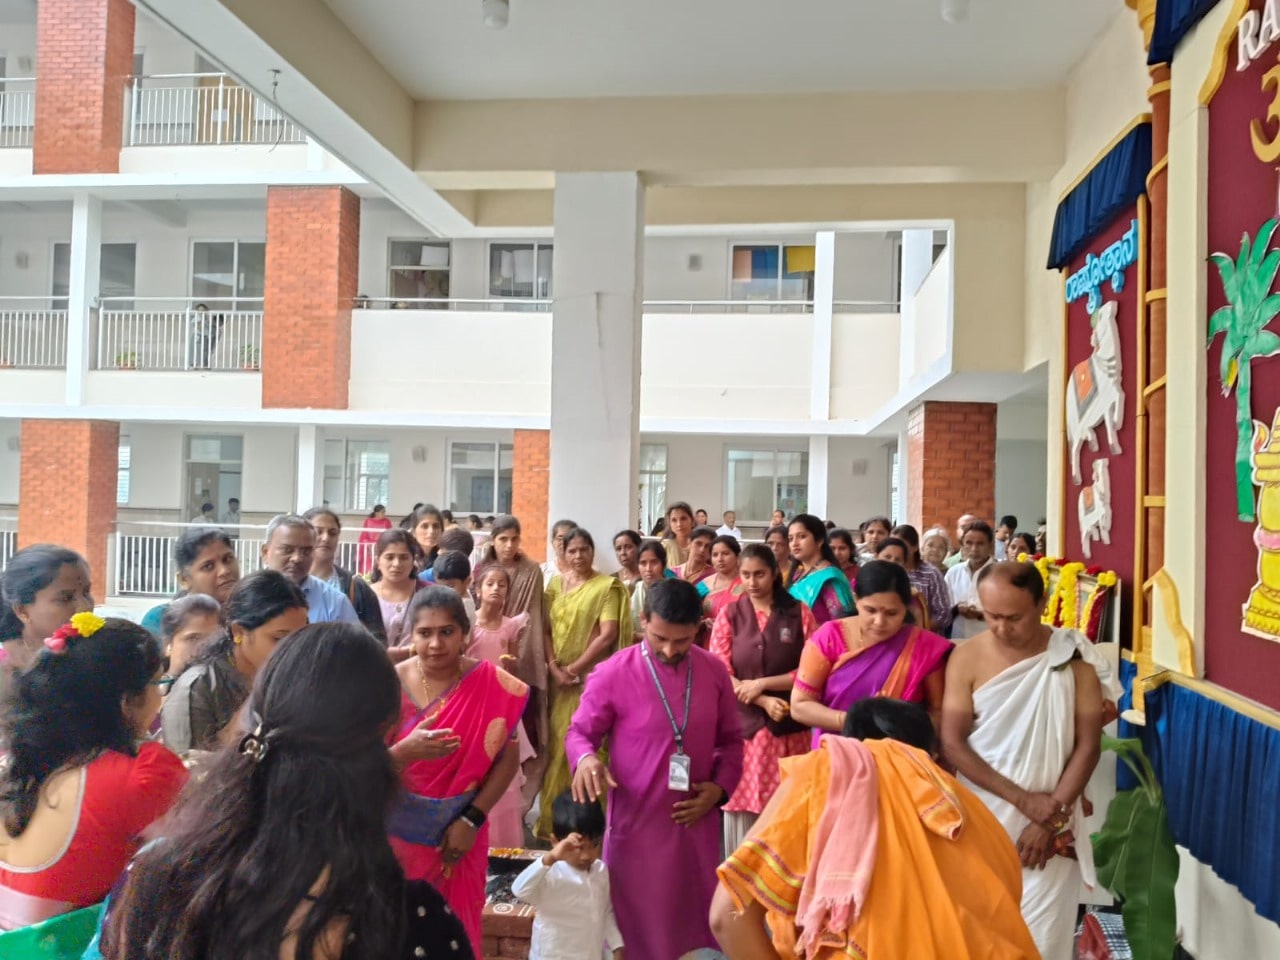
[67,489]
[951,463]
[531,487]
[313,256]
[84,56]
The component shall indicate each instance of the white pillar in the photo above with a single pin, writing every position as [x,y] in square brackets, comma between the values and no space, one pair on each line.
[903,480]
[85,263]
[595,353]
[824,285]
[819,475]
[310,443]
[916,258]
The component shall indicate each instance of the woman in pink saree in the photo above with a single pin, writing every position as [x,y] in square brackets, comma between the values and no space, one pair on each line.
[455,745]
[876,653]
[374,526]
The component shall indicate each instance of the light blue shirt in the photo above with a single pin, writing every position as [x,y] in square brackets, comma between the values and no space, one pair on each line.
[325,603]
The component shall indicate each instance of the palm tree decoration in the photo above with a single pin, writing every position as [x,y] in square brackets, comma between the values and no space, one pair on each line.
[1250,307]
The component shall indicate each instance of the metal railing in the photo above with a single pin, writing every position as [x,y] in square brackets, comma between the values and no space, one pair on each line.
[508,304]
[164,333]
[495,304]
[181,109]
[728,306]
[32,336]
[8,539]
[144,556]
[17,111]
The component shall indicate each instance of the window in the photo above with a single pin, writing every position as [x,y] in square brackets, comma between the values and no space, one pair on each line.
[480,477]
[226,272]
[117,268]
[761,481]
[418,270]
[357,473]
[213,469]
[772,271]
[122,472]
[895,486]
[521,270]
[653,484]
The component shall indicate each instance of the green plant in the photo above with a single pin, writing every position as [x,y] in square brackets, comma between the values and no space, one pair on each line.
[127,360]
[1136,859]
[249,356]
[1250,307]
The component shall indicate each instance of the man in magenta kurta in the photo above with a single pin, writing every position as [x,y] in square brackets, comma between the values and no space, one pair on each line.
[662,844]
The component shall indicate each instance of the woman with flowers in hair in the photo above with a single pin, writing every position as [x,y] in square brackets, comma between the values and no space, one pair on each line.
[78,790]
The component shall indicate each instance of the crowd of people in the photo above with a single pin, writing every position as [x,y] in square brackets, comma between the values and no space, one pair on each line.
[797,741]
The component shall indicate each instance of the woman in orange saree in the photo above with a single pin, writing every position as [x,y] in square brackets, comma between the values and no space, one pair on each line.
[455,747]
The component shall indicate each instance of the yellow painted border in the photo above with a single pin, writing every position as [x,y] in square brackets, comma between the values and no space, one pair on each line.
[1136,122]
[1172,608]
[1157,168]
[1218,70]
[1064,464]
[1211,691]
[1164,86]
[1140,466]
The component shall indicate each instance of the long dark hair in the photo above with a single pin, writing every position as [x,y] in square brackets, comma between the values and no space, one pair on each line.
[250,842]
[782,599]
[28,572]
[818,530]
[391,537]
[881,576]
[65,711]
[656,548]
[257,599]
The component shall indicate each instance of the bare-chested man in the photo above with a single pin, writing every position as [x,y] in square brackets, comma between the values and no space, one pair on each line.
[1022,720]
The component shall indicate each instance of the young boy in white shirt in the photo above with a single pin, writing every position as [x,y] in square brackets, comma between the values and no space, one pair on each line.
[569,886]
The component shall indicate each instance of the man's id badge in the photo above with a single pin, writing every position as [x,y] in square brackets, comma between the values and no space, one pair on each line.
[678,773]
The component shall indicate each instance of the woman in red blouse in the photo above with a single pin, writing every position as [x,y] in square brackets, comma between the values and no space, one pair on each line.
[79,790]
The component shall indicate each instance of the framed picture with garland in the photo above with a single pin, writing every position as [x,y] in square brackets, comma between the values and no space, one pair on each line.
[1080,597]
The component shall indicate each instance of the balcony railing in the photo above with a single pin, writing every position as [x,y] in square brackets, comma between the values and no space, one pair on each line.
[144,555]
[17,111]
[32,336]
[8,539]
[494,304]
[168,334]
[180,109]
[515,304]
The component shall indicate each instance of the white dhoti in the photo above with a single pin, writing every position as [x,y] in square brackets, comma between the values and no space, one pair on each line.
[1024,728]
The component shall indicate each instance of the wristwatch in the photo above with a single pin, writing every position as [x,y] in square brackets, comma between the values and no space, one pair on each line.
[473,816]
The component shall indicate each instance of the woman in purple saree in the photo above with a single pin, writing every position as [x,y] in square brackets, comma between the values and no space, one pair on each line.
[874,654]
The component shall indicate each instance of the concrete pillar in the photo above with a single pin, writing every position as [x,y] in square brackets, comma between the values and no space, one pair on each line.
[819,475]
[595,352]
[951,449]
[531,462]
[310,450]
[916,259]
[67,489]
[85,263]
[824,283]
[84,56]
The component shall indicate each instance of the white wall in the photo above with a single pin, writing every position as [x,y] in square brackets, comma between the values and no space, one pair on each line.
[27,235]
[10,461]
[859,483]
[163,50]
[1022,475]
[864,363]
[18,40]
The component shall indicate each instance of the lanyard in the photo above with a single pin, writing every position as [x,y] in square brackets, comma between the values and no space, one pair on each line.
[677,729]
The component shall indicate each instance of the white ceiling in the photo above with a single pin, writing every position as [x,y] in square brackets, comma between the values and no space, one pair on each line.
[607,48]
[17,12]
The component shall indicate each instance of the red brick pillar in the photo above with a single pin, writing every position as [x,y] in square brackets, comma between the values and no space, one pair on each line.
[67,488]
[530,489]
[84,56]
[313,258]
[951,463]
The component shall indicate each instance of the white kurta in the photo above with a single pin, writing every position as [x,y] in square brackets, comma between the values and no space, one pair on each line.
[962,581]
[1024,728]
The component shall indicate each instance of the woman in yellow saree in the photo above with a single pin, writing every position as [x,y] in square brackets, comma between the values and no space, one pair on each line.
[590,618]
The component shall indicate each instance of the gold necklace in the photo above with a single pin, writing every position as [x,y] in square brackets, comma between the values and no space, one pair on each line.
[426,688]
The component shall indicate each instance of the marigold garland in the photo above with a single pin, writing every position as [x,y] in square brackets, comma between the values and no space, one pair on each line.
[1092,615]
[1070,601]
[1051,610]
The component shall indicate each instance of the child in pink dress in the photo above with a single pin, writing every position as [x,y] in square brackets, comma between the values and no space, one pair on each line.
[497,639]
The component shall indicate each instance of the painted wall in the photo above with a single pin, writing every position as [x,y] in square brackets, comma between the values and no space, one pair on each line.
[864,362]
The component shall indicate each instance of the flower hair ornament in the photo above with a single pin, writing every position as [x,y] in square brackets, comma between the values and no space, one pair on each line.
[82,625]
[255,745]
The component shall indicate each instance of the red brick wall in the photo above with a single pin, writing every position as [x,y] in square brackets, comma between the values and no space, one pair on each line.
[531,489]
[313,259]
[951,463]
[84,56]
[67,488]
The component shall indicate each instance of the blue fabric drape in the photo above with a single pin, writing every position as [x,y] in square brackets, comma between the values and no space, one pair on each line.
[1174,20]
[764,263]
[1113,184]
[1125,780]
[1221,776]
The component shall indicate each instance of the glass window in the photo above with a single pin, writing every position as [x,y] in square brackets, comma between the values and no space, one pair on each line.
[213,472]
[521,270]
[653,484]
[772,271]
[117,271]
[357,473]
[480,477]
[419,270]
[122,472]
[761,481]
[895,487]
[225,272]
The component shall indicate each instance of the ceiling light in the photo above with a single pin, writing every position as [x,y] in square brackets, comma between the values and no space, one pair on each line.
[955,11]
[496,13]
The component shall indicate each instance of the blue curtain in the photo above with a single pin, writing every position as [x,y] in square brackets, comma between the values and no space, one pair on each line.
[764,263]
[1221,776]
[1174,20]
[1125,780]
[1112,185]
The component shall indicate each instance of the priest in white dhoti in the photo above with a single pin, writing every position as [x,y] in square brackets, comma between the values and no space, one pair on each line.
[1022,723]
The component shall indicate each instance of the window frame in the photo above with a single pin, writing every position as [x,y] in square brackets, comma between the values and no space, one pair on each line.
[728,499]
[63,302]
[220,501]
[392,268]
[349,501]
[498,446]
[124,469]
[777,296]
[235,303]
[537,244]
[646,523]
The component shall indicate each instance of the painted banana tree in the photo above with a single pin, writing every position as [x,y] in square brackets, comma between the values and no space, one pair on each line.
[1250,308]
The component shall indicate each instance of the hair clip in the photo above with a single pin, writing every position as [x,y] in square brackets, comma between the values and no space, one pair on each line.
[254,744]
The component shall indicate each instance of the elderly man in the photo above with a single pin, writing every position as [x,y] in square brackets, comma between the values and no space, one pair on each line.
[290,548]
[962,525]
[668,712]
[1022,721]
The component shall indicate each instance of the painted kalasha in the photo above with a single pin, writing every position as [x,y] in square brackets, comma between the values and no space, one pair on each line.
[1242,387]
[1095,395]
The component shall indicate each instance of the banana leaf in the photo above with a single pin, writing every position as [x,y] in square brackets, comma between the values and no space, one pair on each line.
[1136,858]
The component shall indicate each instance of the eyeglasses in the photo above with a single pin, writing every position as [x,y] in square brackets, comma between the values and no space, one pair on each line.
[164,683]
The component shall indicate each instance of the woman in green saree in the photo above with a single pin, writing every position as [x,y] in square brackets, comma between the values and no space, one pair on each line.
[590,617]
[816,578]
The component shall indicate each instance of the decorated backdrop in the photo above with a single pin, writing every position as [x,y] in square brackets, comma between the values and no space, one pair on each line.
[1242,457]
